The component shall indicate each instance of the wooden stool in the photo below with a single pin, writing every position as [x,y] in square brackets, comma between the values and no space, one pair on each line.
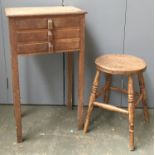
[119,64]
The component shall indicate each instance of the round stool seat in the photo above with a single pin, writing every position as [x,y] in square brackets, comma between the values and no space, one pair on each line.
[120,64]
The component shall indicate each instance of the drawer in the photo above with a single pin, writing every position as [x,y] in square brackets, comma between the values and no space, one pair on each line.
[32,36]
[46,22]
[66,44]
[31,23]
[65,21]
[46,35]
[66,33]
[43,47]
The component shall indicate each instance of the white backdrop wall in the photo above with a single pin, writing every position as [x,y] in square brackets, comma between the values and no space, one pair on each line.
[112,26]
[3,76]
[41,77]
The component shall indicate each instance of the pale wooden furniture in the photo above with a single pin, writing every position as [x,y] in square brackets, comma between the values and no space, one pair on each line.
[119,64]
[47,30]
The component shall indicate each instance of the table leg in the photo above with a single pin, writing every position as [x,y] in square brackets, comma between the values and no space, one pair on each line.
[69,79]
[15,80]
[80,90]
[81,74]
[16,97]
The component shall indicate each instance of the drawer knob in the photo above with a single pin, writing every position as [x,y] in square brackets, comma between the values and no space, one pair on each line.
[50,47]
[50,36]
[50,24]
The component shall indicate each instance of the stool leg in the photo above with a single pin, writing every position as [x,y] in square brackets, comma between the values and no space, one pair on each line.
[131,112]
[144,98]
[106,90]
[91,100]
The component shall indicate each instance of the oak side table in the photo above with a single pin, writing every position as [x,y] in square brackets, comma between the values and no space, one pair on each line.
[47,30]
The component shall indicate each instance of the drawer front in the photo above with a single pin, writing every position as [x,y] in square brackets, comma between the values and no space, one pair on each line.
[66,33]
[47,35]
[66,44]
[32,36]
[43,22]
[31,23]
[34,48]
[61,22]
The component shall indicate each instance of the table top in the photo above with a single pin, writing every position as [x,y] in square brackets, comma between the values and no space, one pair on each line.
[35,11]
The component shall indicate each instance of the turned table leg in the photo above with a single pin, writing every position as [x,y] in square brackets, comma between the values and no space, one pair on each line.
[131,112]
[106,91]
[69,79]
[144,97]
[91,100]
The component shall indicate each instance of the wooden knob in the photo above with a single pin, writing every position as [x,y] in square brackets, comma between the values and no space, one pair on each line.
[50,47]
[50,24]
[50,36]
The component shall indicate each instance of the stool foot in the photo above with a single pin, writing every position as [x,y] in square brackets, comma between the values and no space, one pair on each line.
[86,125]
[131,148]
[146,115]
[91,100]
[144,98]
[19,140]
[131,112]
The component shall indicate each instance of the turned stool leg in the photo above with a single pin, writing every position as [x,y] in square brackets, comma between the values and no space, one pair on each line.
[131,112]
[91,100]
[106,91]
[144,98]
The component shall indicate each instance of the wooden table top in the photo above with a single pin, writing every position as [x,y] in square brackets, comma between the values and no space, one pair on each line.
[35,11]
